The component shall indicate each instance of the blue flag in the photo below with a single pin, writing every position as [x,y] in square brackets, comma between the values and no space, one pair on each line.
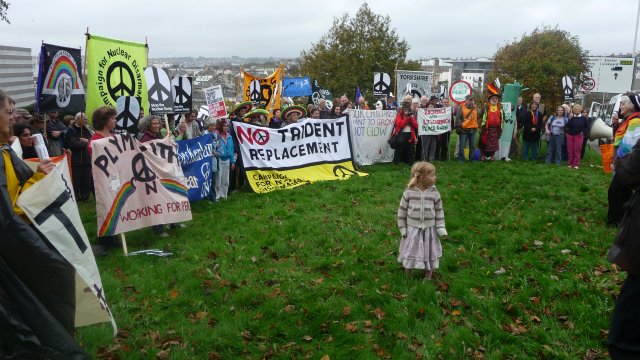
[296,86]
[195,159]
[358,94]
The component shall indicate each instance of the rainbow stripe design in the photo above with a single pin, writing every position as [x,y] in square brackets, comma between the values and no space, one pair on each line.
[111,220]
[174,186]
[63,64]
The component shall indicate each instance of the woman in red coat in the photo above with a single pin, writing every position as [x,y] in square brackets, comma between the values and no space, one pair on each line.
[407,127]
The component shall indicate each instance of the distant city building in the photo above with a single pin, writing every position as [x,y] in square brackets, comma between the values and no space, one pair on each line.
[16,74]
[473,71]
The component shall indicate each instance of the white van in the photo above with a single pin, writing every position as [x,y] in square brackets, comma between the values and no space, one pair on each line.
[605,112]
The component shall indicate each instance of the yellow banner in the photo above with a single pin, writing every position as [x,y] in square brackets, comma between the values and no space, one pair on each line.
[269,91]
[263,181]
[115,68]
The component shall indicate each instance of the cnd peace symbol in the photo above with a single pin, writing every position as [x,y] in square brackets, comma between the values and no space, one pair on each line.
[120,80]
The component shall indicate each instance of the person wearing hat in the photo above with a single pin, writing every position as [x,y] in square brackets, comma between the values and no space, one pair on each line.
[618,193]
[492,122]
[254,116]
[292,113]
[467,126]
[22,116]
[237,175]
[392,104]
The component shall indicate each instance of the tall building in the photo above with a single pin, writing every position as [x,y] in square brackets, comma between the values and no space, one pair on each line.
[16,74]
[473,71]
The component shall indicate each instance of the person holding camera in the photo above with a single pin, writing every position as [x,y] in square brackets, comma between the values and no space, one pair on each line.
[406,127]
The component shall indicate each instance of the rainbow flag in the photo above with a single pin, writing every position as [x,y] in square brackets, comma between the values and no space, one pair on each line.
[59,80]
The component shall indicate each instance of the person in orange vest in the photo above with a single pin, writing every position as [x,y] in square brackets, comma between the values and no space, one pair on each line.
[467,126]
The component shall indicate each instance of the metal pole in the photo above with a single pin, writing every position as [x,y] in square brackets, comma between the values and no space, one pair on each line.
[635,34]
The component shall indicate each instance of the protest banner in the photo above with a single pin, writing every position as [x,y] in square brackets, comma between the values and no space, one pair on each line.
[434,121]
[414,83]
[137,185]
[195,159]
[268,92]
[370,130]
[182,91]
[320,93]
[296,86]
[381,84]
[301,153]
[508,128]
[59,85]
[159,91]
[215,102]
[52,209]
[127,115]
[114,68]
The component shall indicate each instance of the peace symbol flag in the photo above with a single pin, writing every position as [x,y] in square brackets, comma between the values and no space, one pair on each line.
[59,80]
[137,185]
[266,91]
[115,68]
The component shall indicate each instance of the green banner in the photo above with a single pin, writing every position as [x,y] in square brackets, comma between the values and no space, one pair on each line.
[115,68]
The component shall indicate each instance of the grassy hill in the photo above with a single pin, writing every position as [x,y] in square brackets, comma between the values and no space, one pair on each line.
[312,271]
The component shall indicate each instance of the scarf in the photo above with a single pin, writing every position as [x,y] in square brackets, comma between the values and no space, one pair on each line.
[534,116]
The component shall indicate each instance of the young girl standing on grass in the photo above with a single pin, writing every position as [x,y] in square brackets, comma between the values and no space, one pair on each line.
[421,221]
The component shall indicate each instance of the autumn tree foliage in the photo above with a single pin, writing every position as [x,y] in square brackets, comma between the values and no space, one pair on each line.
[539,60]
[354,49]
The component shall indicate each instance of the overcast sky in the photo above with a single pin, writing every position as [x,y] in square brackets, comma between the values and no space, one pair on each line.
[282,28]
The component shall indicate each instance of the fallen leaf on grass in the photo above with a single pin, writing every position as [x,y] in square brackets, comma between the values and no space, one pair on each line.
[538,243]
[213,356]
[246,335]
[565,251]
[379,313]
[162,355]
[535,319]
[500,271]
[401,336]
[274,293]
[307,338]
[326,357]
[455,313]
[173,293]
[289,309]
[351,327]
[346,311]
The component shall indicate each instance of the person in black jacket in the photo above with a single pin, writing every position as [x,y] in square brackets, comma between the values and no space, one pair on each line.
[624,331]
[76,139]
[532,124]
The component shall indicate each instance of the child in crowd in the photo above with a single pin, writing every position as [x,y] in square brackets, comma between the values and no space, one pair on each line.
[226,159]
[421,221]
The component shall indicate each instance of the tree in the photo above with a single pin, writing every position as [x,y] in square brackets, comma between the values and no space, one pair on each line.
[353,50]
[539,61]
[4,7]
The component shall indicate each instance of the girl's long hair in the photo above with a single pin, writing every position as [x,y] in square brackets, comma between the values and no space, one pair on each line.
[421,168]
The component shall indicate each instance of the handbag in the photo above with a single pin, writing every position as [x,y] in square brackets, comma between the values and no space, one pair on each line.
[395,141]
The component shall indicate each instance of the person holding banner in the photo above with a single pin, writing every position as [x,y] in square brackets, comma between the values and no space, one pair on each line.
[226,159]
[292,113]
[237,175]
[76,139]
[23,133]
[104,122]
[216,151]
[406,127]
[37,286]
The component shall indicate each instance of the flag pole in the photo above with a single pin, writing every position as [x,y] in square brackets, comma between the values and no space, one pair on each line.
[123,239]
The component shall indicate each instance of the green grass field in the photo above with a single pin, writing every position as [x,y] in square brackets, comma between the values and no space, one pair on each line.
[312,271]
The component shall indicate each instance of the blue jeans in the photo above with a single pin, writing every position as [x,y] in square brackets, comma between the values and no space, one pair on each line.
[530,146]
[554,151]
[471,139]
